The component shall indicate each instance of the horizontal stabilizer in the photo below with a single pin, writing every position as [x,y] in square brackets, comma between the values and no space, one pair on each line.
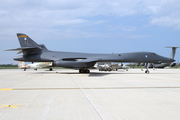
[23,48]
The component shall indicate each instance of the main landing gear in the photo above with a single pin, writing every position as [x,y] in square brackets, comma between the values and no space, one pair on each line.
[50,69]
[84,71]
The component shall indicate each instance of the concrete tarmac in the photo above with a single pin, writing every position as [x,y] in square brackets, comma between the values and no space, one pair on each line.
[66,94]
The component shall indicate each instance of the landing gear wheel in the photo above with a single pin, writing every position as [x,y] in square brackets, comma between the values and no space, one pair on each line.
[87,71]
[50,69]
[81,71]
[84,71]
[147,71]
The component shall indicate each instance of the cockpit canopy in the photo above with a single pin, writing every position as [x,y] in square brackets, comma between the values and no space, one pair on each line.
[155,54]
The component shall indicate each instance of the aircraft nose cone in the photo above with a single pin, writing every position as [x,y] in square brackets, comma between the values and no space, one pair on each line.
[171,60]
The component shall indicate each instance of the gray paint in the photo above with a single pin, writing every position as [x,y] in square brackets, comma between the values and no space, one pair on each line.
[172,55]
[32,52]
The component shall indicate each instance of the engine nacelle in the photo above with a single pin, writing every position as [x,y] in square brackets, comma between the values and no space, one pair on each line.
[72,64]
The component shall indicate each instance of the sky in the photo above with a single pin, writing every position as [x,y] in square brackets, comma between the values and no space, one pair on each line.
[91,26]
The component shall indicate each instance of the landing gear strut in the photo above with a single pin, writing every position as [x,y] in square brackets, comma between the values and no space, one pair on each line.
[147,68]
[84,71]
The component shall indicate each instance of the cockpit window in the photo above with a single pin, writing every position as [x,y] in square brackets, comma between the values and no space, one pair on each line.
[155,54]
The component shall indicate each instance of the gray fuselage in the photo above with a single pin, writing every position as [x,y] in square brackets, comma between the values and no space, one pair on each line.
[86,60]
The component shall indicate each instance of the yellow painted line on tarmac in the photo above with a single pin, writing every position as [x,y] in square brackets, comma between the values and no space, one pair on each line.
[13,106]
[6,88]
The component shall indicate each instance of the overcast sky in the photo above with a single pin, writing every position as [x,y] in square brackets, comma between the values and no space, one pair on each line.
[92,26]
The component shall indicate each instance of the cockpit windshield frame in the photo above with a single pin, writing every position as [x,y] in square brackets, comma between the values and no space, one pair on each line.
[155,54]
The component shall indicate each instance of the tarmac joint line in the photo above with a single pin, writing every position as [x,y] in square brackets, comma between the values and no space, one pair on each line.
[4,89]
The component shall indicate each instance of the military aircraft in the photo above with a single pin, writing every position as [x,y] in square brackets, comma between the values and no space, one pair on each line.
[110,66]
[33,52]
[35,66]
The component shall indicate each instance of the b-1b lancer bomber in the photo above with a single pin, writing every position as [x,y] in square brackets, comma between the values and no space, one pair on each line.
[33,52]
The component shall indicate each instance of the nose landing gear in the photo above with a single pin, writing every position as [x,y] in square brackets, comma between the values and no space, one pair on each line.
[147,68]
[147,71]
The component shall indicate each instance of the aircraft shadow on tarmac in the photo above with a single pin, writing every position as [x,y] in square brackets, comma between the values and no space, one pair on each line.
[96,74]
[93,74]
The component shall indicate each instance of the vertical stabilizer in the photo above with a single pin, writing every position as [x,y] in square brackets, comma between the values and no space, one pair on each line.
[26,41]
[173,52]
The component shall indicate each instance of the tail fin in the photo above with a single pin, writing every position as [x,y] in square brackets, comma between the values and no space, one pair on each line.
[173,52]
[28,46]
[26,41]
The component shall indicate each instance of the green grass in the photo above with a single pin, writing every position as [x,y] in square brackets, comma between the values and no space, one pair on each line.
[8,66]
